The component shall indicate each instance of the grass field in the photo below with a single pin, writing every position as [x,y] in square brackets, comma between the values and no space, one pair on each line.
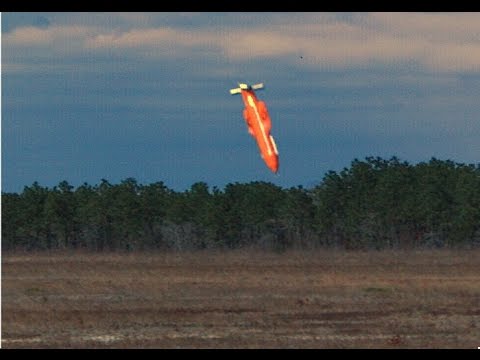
[242,299]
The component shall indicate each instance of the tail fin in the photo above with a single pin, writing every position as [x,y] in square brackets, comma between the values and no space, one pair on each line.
[246,87]
[258,86]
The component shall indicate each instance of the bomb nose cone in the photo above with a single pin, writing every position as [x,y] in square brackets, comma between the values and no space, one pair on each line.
[272,164]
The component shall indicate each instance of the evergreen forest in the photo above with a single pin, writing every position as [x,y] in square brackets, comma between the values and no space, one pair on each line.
[375,203]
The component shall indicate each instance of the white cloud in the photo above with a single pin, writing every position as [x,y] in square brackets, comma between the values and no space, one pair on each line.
[441,27]
[30,36]
[149,38]
[438,41]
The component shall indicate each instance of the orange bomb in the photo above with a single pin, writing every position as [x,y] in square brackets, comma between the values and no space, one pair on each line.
[258,123]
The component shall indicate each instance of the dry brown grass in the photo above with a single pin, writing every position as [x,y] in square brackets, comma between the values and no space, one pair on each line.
[321,299]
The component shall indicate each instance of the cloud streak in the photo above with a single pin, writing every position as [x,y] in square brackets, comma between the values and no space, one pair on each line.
[438,42]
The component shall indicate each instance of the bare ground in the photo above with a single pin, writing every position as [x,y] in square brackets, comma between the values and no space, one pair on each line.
[242,299]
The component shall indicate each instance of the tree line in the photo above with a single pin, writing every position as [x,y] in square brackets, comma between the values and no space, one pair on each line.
[373,204]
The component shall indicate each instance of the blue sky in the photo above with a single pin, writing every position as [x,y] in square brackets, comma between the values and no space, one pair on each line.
[87,96]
